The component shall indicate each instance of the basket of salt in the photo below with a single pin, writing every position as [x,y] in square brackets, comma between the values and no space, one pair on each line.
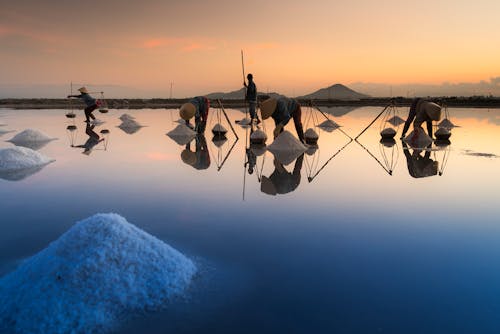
[443,134]
[103,110]
[388,133]
[70,115]
[311,137]
[258,137]
[219,130]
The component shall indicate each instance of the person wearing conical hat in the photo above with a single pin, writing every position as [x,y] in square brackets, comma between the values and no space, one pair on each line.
[282,181]
[90,103]
[422,111]
[198,108]
[282,110]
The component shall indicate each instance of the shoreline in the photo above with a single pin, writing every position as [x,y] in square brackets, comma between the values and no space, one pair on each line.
[472,102]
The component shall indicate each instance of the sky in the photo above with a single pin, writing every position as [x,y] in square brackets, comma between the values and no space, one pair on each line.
[293,47]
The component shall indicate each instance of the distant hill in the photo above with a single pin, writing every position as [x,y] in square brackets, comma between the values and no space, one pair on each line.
[335,92]
[236,95]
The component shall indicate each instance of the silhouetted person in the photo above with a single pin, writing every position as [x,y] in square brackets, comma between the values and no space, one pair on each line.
[93,140]
[282,110]
[282,181]
[200,158]
[251,97]
[251,160]
[418,165]
[90,103]
[198,108]
[422,111]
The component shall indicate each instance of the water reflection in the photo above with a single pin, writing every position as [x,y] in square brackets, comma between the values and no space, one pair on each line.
[200,157]
[281,181]
[93,140]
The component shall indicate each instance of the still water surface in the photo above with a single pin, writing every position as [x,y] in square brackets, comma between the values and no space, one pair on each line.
[347,240]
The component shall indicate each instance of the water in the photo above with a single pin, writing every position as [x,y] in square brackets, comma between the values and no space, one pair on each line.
[348,244]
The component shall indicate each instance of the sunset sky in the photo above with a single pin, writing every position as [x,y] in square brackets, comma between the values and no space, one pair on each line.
[292,47]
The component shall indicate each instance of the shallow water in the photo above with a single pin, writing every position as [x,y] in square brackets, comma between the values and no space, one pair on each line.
[350,241]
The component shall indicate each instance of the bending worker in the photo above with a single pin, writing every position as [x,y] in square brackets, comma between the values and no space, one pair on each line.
[281,110]
[422,111]
[90,102]
[251,97]
[197,107]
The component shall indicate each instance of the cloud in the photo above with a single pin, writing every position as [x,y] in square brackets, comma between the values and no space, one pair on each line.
[180,44]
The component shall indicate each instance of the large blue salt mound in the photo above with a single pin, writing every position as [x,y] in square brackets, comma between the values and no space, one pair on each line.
[98,272]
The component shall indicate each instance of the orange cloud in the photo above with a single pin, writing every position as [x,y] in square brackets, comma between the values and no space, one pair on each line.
[159,42]
[181,44]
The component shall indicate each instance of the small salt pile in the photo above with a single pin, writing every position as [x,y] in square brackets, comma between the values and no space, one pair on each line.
[258,137]
[31,138]
[418,138]
[101,271]
[219,140]
[17,163]
[130,126]
[311,136]
[388,133]
[443,134]
[329,125]
[245,122]
[312,149]
[446,123]
[182,134]
[286,148]
[219,129]
[396,120]
[126,117]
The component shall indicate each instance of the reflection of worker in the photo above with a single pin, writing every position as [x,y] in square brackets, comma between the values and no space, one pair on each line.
[251,160]
[90,102]
[418,165]
[93,140]
[281,181]
[197,107]
[251,97]
[422,111]
[200,158]
[281,110]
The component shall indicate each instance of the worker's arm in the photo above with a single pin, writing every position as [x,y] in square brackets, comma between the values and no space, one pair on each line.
[429,128]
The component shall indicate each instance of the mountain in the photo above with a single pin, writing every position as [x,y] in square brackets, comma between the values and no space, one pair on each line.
[335,92]
[236,95]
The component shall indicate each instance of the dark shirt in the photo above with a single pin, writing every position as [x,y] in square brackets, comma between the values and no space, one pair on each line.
[285,108]
[251,93]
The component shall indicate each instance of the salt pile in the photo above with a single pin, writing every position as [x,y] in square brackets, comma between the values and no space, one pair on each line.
[17,163]
[126,117]
[130,126]
[446,123]
[97,273]
[311,134]
[30,136]
[443,134]
[219,141]
[388,133]
[418,138]
[245,121]
[182,134]
[218,128]
[180,121]
[258,137]
[396,120]
[329,125]
[286,148]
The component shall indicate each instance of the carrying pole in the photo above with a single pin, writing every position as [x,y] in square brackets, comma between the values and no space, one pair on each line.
[227,118]
[383,111]
[244,80]
[322,113]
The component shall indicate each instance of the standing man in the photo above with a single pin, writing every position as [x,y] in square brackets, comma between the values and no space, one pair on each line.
[251,97]
[281,110]
[90,102]
[198,107]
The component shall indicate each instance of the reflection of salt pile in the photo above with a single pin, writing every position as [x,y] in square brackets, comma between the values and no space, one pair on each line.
[245,121]
[418,138]
[99,271]
[130,126]
[3,131]
[443,134]
[31,138]
[311,136]
[182,134]
[258,149]
[388,133]
[258,137]
[286,148]
[17,163]
[396,120]
[219,129]
[329,125]
[446,123]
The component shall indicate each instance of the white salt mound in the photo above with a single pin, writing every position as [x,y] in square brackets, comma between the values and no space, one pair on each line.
[18,158]
[30,136]
[286,148]
[446,123]
[418,138]
[258,135]
[311,134]
[219,128]
[126,117]
[130,126]
[245,121]
[100,271]
[182,134]
[329,124]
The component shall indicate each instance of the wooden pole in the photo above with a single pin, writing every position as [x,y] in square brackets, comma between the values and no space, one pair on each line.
[244,80]
[372,121]
[227,118]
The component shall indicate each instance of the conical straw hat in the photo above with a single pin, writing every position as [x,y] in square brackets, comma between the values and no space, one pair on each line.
[267,107]
[83,90]
[187,111]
